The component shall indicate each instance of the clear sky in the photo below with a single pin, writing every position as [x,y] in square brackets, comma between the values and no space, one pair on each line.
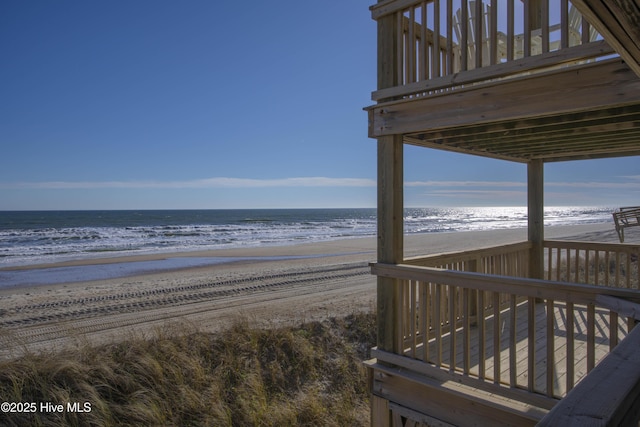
[149,104]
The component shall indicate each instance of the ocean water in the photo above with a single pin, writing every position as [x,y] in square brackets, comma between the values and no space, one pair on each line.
[36,237]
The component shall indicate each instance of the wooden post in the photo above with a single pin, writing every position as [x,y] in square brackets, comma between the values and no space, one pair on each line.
[390,190]
[535,204]
[390,235]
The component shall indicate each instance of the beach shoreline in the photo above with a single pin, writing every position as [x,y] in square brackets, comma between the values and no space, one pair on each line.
[269,285]
[361,249]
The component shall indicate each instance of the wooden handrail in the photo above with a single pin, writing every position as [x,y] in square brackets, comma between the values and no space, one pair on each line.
[562,291]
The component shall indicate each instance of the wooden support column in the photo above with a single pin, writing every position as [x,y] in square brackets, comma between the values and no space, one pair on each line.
[535,205]
[390,188]
[390,234]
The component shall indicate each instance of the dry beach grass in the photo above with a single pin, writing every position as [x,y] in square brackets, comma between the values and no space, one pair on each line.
[306,375]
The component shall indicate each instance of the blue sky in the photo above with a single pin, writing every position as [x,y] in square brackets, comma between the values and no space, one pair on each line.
[200,104]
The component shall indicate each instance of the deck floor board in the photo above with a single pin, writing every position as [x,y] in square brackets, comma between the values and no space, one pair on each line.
[560,359]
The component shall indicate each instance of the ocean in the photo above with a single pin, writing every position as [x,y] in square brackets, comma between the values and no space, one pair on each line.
[36,237]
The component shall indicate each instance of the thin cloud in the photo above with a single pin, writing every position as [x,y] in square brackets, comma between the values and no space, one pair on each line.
[218,182]
[484,194]
[623,185]
[500,184]
[513,184]
[230,182]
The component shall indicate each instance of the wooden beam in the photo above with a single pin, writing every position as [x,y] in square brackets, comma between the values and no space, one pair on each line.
[449,402]
[604,84]
[618,21]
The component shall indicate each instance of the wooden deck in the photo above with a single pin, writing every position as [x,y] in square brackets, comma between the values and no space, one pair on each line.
[569,366]
[535,343]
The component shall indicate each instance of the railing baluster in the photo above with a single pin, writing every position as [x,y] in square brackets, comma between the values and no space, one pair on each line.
[617,267]
[607,267]
[400,48]
[510,31]
[570,346]
[564,24]
[597,268]
[481,336]
[527,29]
[438,325]
[545,25]
[464,37]
[450,60]
[591,337]
[493,31]
[478,18]
[424,305]
[452,328]
[586,266]
[628,270]
[613,330]
[435,52]
[423,45]
[496,338]
[531,343]
[466,329]
[410,47]
[399,322]
[550,346]
[513,358]
[413,318]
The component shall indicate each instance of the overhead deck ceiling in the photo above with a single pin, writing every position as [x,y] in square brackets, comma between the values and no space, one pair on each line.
[612,132]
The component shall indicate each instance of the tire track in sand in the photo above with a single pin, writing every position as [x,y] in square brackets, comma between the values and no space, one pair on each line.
[54,321]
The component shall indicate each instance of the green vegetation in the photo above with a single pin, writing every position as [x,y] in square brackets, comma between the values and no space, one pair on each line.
[308,375]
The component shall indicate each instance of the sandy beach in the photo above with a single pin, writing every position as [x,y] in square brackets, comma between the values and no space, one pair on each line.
[266,285]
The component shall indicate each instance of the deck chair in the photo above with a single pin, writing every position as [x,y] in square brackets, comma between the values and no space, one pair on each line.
[626,217]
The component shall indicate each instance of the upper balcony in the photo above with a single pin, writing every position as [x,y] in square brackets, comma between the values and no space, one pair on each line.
[444,45]
[513,73]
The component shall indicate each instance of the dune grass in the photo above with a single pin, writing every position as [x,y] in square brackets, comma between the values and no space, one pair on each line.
[306,375]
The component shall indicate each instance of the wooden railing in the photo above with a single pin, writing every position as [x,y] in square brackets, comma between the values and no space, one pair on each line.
[602,264]
[548,336]
[444,44]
